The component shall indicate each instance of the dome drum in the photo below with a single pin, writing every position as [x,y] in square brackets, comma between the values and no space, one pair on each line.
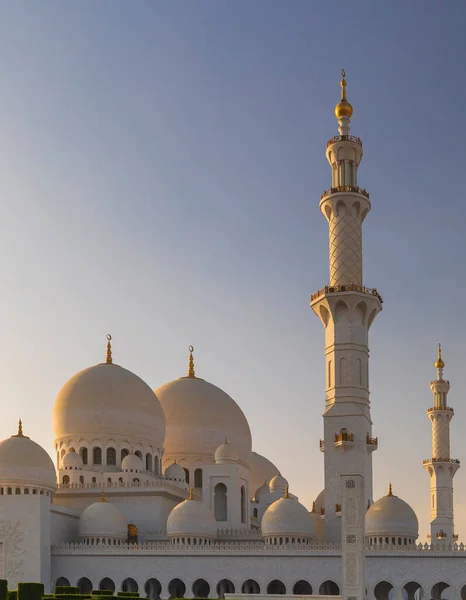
[287,519]
[391,521]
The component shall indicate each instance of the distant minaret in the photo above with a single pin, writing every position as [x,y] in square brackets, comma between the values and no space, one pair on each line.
[347,309]
[441,467]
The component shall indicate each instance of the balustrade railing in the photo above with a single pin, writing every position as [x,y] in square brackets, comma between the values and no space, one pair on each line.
[344,436]
[370,441]
[344,138]
[345,188]
[442,460]
[439,407]
[350,287]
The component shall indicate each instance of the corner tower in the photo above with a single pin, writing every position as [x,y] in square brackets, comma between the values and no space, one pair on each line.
[441,467]
[347,309]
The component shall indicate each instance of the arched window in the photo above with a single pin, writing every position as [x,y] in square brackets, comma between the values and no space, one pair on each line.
[382,590]
[129,585]
[302,588]
[153,587]
[84,585]
[33,491]
[198,478]
[276,587]
[81,479]
[66,480]
[62,581]
[83,454]
[111,456]
[220,502]
[201,589]
[243,504]
[139,454]
[176,588]
[156,466]
[97,456]
[225,586]
[255,513]
[17,491]
[136,482]
[107,584]
[329,588]
[250,587]
[187,475]
[148,462]
[94,480]
[124,453]
[26,490]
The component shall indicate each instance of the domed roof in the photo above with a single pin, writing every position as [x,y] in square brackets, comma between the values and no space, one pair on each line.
[289,517]
[278,484]
[131,462]
[199,417]
[175,472]
[262,470]
[319,502]
[72,460]
[22,461]
[191,518]
[108,400]
[226,453]
[103,519]
[262,492]
[391,516]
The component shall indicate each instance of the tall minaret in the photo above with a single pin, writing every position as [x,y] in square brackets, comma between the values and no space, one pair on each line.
[347,309]
[441,467]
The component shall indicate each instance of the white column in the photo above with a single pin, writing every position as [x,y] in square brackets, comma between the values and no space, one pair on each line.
[352,537]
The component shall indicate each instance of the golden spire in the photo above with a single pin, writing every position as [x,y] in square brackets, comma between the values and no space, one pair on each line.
[287,492]
[109,360]
[390,491]
[191,363]
[191,493]
[439,364]
[102,497]
[313,506]
[343,108]
[20,431]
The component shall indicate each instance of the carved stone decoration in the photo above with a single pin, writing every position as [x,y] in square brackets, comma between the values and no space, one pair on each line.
[11,538]
[351,511]
[351,575]
[351,538]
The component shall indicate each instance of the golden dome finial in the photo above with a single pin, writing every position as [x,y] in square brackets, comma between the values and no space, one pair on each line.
[390,491]
[109,360]
[191,493]
[191,362]
[343,108]
[313,506]
[20,428]
[102,497]
[439,364]
[287,492]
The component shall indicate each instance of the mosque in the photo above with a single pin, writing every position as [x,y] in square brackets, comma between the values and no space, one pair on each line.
[160,492]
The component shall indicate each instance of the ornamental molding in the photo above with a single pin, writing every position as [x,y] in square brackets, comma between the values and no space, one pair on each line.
[12,552]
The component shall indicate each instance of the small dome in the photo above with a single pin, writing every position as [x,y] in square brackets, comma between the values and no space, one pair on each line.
[199,417]
[175,472]
[131,463]
[107,400]
[287,517]
[319,502]
[278,484]
[103,520]
[262,493]
[226,453]
[391,516]
[72,460]
[191,518]
[262,470]
[22,461]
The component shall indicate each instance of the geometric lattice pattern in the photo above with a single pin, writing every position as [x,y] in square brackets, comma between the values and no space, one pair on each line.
[441,437]
[345,240]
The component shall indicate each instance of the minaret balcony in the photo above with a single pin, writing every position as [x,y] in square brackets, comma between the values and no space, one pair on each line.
[351,287]
[343,440]
[322,445]
[344,188]
[454,461]
[429,410]
[372,443]
[344,138]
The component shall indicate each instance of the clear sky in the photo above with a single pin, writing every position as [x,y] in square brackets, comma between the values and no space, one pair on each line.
[161,164]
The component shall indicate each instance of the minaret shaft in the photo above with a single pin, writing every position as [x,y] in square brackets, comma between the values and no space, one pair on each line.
[347,310]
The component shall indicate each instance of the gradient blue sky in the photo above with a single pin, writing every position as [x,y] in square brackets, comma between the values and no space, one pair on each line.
[161,165]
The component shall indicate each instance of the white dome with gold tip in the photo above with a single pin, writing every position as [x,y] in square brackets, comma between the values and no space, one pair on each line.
[103,520]
[72,461]
[191,518]
[262,471]
[108,401]
[199,417]
[391,516]
[23,462]
[287,517]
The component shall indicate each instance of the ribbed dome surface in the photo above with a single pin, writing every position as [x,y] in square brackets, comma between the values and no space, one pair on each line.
[191,518]
[391,516]
[23,461]
[108,400]
[287,517]
[103,519]
[199,417]
[262,471]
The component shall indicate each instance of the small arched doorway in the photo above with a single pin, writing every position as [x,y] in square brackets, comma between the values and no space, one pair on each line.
[107,584]
[302,588]
[412,591]
[201,589]
[225,586]
[153,587]
[62,581]
[176,588]
[383,591]
[276,587]
[129,585]
[84,585]
[220,502]
[438,589]
[250,587]
[329,588]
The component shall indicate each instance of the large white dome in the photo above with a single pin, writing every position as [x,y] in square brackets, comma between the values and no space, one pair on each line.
[262,471]
[23,462]
[108,401]
[287,517]
[191,518]
[391,516]
[103,520]
[199,417]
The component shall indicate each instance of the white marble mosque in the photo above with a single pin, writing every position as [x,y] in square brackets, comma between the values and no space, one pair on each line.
[160,492]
